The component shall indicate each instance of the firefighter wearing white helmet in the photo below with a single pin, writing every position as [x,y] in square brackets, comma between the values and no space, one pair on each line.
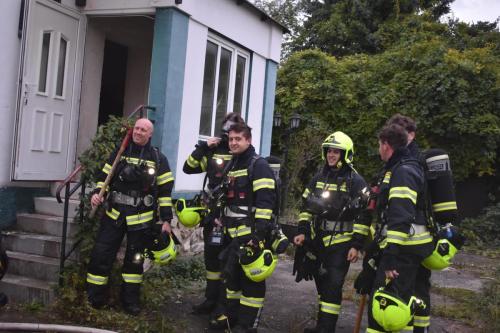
[332,227]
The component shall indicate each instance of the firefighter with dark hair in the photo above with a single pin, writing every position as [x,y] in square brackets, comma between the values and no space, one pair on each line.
[402,235]
[247,213]
[212,157]
[333,225]
[141,185]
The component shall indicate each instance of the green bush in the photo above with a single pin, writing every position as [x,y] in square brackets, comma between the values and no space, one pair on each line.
[483,231]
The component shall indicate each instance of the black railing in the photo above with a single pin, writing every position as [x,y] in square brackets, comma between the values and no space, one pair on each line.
[68,192]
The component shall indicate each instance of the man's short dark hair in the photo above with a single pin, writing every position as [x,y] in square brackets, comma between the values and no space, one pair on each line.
[242,128]
[394,135]
[404,121]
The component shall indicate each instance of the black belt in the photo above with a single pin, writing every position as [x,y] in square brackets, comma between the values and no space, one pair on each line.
[134,201]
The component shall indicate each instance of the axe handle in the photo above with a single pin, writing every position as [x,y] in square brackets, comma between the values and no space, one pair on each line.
[123,146]
[359,315]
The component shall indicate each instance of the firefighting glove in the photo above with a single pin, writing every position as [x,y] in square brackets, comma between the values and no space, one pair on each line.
[298,263]
[305,264]
[364,282]
[453,235]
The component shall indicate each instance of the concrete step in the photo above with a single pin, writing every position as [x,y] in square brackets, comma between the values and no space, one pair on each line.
[42,245]
[50,206]
[45,224]
[34,266]
[21,289]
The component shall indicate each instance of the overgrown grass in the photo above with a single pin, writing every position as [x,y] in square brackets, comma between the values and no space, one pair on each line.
[475,309]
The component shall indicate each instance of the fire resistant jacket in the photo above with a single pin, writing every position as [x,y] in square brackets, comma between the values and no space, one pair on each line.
[153,178]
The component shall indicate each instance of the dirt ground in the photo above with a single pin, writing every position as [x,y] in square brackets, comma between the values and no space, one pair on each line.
[291,306]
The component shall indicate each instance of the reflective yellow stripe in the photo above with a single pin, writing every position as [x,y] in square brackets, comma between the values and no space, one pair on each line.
[99,184]
[338,238]
[443,206]
[139,218]
[383,243]
[305,216]
[164,178]
[254,302]
[192,162]
[330,308]
[165,201]
[133,160]
[213,276]
[222,156]
[331,187]
[261,213]
[387,177]
[306,193]
[113,214]
[233,294]
[401,238]
[132,278]
[263,183]
[106,169]
[407,329]
[97,279]
[203,163]
[238,173]
[403,192]
[421,321]
[241,230]
[361,229]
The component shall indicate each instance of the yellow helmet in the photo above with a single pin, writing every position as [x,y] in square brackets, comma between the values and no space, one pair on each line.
[163,250]
[339,140]
[391,312]
[441,256]
[189,216]
[257,266]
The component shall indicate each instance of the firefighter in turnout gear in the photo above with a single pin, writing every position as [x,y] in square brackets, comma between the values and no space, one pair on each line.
[401,234]
[246,217]
[141,186]
[212,157]
[333,225]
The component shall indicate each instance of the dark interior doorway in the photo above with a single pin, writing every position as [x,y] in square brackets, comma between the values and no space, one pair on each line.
[114,72]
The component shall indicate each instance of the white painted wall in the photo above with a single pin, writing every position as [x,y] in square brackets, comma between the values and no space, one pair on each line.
[9,60]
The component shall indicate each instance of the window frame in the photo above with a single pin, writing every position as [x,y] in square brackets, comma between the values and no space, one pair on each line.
[235,52]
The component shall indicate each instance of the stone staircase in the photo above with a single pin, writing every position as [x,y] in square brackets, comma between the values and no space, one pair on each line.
[33,248]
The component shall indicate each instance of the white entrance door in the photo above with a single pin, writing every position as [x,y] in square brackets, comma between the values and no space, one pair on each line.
[49,92]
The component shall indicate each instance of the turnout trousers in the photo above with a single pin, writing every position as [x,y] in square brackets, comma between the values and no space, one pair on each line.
[413,279]
[214,292]
[108,241]
[329,282]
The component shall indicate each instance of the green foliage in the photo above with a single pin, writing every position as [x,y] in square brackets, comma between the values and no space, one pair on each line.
[483,231]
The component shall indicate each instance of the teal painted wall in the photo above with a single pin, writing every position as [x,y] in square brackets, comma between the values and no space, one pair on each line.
[17,200]
[167,79]
[268,108]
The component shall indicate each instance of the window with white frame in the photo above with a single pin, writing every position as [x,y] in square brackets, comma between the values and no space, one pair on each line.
[225,81]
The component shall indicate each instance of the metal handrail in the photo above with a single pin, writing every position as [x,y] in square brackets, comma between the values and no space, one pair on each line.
[66,184]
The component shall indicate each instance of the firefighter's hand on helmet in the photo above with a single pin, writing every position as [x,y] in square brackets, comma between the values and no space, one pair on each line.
[166,227]
[452,234]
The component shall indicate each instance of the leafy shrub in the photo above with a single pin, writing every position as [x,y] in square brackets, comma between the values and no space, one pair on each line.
[483,231]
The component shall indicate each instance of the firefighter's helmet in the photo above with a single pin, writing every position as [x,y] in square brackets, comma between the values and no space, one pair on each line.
[189,216]
[391,312]
[339,140]
[163,250]
[441,256]
[259,265]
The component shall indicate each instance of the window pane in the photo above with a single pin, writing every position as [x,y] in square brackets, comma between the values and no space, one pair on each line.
[239,83]
[44,63]
[223,88]
[208,89]
[60,67]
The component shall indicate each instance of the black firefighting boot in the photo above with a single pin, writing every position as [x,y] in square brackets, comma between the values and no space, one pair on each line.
[3,299]
[130,297]
[327,323]
[211,295]
[132,309]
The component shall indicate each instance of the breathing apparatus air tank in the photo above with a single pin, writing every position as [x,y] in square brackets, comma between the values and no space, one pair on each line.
[440,186]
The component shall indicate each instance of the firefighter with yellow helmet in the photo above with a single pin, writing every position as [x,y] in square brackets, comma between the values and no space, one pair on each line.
[333,225]
[211,156]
